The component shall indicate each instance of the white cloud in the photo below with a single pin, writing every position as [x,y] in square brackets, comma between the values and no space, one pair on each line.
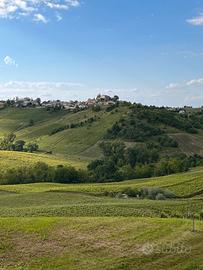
[9,61]
[193,82]
[15,9]
[52,90]
[197,21]
[172,86]
[40,18]
[184,93]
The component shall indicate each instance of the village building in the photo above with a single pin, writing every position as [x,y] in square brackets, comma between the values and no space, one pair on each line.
[102,100]
[2,104]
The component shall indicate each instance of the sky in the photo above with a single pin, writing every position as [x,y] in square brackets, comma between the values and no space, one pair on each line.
[147,51]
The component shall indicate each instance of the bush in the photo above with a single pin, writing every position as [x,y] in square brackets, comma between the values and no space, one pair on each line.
[96,108]
[130,192]
[152,193]
[156,193]
[160,197]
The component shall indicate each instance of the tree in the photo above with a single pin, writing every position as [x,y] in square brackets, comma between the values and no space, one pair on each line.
[7,141]
[142,155]
[115,98]
[114,150]
[42,172]
[19,145]
[66,175]
[32,147]
[31,122]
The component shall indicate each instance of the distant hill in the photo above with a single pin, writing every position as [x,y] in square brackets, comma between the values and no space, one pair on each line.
[79,133]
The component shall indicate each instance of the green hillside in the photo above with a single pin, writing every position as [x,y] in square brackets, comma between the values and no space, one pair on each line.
[78,141]
[10,159]
[83,141]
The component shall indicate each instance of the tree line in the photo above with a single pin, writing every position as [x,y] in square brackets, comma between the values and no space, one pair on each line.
[42,172]
[141,161]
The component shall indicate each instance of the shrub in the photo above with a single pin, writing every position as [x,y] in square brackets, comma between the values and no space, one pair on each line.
[130,192]
[156,193]
[160,197]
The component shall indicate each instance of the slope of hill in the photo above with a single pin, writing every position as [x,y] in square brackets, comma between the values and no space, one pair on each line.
[68,142]
[9,159]
[83,139]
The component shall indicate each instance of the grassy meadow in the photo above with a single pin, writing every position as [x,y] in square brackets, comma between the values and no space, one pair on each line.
[58,226]
[100,243]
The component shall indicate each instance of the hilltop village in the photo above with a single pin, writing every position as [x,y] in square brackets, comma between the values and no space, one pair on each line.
[104,101]
[100,100]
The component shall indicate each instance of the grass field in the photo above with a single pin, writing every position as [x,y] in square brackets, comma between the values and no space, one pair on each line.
[57,226]
[100,243]
[74,204]
[9,159]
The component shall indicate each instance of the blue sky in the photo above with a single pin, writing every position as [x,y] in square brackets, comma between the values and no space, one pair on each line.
[147,51]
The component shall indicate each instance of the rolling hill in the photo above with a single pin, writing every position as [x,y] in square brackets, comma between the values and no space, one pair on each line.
[83,140]
[79,141]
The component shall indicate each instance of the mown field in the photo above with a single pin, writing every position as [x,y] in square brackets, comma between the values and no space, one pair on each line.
[100,243]
[57,226]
